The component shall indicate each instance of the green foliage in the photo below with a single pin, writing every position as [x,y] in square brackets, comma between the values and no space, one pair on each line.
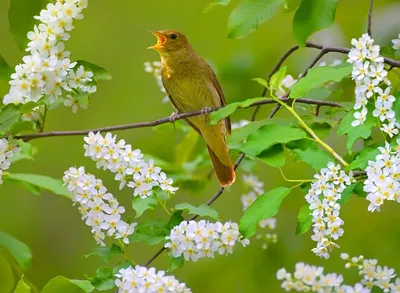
[269,135]
[61,284]
[273,156]
[250,14]
[175,262]
[5,69]
[40,181]
[151,233]
[216,3]
[22,127]
[304,219]
[27,152]
[22,287]
[361,161]
[312,16]
[140,205]
[317,77]
[104,279]
[313,156]
[290,5]
[20,17]
[99,73]
[7,277]
[265,206]
[360,131]
[261,81]
[346,194]
[175,220]
[230,109]
[202,210]
[106,253]
[277,78]
[17,249]
[184,150]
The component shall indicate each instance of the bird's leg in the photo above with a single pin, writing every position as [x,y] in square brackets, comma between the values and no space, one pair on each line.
[206,111]
[173,117]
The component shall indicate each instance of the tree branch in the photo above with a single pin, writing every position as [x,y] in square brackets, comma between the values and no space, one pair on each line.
[28,137]
[369,29]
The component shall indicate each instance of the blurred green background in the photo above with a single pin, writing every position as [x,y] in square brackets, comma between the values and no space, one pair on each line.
[113,35]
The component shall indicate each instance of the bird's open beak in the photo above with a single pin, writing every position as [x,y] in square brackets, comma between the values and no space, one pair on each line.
[160,40]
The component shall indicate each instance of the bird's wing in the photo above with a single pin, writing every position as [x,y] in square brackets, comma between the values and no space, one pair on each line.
[218,87]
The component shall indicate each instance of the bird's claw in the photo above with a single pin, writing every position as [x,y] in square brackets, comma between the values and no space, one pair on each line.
[206,111]
[173,117]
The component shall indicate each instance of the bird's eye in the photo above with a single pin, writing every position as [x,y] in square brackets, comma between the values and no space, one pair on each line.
[173,36]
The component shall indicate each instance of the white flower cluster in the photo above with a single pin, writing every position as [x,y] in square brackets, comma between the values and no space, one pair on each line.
[127,164]
[99,208]
[383,182]
[48,71]
[143,280]
[8,147]
[373,274]
[196,240]
[256,188]
[371,81]
[155,69]
[396,43]
[323,197]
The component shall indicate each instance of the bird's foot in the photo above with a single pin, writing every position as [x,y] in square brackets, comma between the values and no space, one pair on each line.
[206,111]
[173,117]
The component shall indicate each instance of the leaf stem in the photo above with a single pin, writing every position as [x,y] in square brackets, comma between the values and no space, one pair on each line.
[163,205]
[294,180]
[310,131]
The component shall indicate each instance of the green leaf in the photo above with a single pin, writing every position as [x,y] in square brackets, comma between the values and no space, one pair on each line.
[304,219]
[250,14]
[184,150]
[277,78]
[360,131]
[175,262]
[396,106]
[291,5]
[9,115]
[273,156]
[202,210]
[216,3]
[319,93]
[346,194]
[317,77]
[261,81]
[269,135]
[61,284]
[359,190]
[140,205]
[21,127]
[175,220]
[122,265]
[106,253]
[312,16]
[242,133]
[20,17]
[28,107]
[361,161]
[313,156]
[22,287]
[26,153]
[17,249]
[151,233]
[266,206]
[230,109]
[44,182]
[5,69]
[104,279]
[7,277]
[99,73]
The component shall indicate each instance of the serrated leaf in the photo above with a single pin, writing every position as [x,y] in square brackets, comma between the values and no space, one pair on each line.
[22,287]
[61,284]
[44,182]
[265,206]
[313,156]
[312,16]
[216,3]
[361,161]
[17,249]
[202,210]
[140,205]
[20,17]
[106,253]
[277,78]
[250,14]
[175,262]
[304,219]
[230,109]
[269,135]
[5,69]
[151,233]
[99,73]
[273,156]
[317,77]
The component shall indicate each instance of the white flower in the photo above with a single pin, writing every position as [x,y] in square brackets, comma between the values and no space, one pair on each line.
[195,240]
[100,209]
[155,69]
[8,148]
[128,165]
[396,43]
[143,280]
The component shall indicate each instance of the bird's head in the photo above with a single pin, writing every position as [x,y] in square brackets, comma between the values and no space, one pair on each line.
[170,41]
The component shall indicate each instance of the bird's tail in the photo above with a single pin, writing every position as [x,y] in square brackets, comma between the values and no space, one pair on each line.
[225,173]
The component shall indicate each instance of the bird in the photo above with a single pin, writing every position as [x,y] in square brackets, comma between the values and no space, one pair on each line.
[191,85]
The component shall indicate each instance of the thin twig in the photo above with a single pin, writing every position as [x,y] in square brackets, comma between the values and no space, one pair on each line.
[369,29]
[27,137]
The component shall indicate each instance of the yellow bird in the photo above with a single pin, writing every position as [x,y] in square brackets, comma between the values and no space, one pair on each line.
[192,85]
